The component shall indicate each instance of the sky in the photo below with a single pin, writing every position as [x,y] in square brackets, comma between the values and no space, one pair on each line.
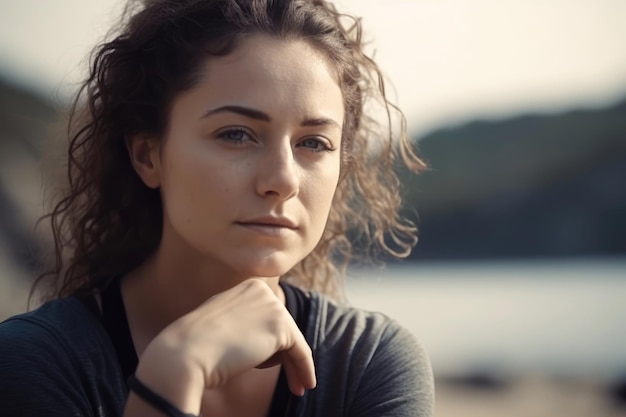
[448,61]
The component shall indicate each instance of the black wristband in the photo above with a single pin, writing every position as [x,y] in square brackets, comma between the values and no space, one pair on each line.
[154,399]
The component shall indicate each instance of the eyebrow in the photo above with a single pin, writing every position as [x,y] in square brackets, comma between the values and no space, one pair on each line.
[259,115]
[320,121]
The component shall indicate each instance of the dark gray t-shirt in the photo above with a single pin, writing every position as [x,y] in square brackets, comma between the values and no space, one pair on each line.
[59,361]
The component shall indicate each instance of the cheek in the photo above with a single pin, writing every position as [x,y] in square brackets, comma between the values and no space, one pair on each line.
[320,196]
[193,182]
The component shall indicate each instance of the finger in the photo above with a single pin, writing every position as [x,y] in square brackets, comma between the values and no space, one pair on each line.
[299,366]
[299,378]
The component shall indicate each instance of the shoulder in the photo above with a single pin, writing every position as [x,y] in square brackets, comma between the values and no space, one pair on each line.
[337,323]
[59,355]
[378,365]
[60,324]
[61,334]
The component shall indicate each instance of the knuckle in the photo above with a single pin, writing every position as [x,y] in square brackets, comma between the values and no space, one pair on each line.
[276,325]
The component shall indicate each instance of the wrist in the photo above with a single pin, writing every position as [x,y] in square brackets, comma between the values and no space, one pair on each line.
[154,400]
[171,377]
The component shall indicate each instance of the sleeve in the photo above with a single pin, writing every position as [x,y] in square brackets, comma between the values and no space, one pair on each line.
[37,375]
[398,380]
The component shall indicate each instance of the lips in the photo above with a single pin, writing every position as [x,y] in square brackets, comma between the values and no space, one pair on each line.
[269,222]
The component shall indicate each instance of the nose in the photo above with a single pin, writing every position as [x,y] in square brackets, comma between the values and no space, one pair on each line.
[277,172]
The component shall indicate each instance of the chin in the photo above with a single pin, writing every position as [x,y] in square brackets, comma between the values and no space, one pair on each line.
[268,267]
[266,271]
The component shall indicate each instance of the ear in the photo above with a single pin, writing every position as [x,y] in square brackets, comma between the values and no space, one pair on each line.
[143,151]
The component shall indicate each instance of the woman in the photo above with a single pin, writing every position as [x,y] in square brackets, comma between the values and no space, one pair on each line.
[219,150]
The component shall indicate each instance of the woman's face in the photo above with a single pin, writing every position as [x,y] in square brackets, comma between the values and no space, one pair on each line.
[250,162]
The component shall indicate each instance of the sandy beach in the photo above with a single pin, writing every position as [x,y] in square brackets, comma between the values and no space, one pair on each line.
[462,395]
[529,396]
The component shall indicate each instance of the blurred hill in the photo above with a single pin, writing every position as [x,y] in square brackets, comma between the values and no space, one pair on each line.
[25,122]
[530,186]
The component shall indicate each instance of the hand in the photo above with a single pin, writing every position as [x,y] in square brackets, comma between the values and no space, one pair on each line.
[232,332]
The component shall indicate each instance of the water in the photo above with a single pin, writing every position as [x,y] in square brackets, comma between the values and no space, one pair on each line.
[561,318]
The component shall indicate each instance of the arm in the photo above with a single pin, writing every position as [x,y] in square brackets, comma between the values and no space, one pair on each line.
[235,331]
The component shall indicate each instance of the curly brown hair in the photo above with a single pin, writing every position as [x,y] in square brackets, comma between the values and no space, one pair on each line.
[107,222]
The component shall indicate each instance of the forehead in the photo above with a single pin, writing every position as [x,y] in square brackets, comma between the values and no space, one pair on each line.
[282,77]
[297,56]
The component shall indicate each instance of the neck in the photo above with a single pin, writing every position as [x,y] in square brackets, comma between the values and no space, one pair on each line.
[173,282]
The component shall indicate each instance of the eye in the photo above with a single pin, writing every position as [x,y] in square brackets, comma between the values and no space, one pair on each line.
[236,135]
[316,145]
